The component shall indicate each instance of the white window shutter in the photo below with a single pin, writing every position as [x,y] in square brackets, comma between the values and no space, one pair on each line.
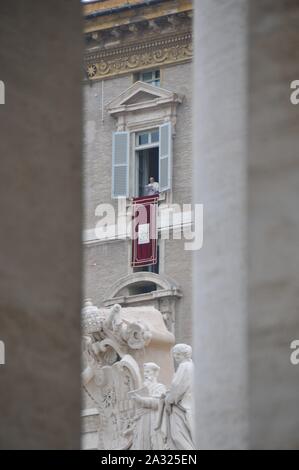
[165,157]
[120,164]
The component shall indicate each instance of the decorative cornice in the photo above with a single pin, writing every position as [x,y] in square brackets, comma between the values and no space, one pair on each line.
[103,15]
[106,63]
[118,7]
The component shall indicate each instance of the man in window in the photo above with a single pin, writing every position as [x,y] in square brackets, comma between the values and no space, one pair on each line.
[152,188]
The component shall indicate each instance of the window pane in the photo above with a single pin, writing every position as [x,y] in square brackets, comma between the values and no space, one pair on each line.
[147,76]
[152,77]
[142,139]
[155,136]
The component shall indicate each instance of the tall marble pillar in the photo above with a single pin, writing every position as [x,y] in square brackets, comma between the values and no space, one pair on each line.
[219,154]
[253,199]
[40,236]
[273,224]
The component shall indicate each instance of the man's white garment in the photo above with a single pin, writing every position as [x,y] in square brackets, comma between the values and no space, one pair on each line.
[152,188]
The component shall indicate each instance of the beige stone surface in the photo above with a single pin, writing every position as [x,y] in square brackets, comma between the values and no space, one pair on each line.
[270,183]
[273,224]
[40,207]
[219,283]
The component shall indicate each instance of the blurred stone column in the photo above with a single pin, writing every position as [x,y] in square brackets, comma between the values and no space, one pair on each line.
[220,320]
[273,224]
[40,236]
[271,215]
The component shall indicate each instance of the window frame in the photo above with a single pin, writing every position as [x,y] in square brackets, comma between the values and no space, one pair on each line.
[150,144]
[135,150]
[154,81]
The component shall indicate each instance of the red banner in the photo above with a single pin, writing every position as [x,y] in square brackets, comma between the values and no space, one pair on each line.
[144,231]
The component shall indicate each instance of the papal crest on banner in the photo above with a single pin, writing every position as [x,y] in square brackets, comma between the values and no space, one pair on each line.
[144,231]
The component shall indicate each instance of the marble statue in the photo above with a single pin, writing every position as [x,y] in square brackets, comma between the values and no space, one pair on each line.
[145,436]
[120,407]
[175,410]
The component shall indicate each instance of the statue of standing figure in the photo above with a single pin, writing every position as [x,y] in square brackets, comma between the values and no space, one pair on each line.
[175,410]
[145,436]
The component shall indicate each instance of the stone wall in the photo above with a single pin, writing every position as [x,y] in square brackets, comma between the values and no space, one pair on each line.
[100,272]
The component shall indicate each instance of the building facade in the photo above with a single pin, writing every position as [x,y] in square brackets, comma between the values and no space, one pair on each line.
[137,126]
[137,92]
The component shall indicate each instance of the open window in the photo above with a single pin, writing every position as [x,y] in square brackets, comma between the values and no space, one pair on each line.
[147,160]
[142,146]
[153,155]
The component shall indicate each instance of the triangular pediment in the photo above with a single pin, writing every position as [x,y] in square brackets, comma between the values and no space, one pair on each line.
[139,94]
[140,97]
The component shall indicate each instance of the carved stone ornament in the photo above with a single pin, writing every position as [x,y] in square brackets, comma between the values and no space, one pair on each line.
[160,51]
[116,342]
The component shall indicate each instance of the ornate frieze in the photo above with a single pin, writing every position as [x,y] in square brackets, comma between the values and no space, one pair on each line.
[138,56]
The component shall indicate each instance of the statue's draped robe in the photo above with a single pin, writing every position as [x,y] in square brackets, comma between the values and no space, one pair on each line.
[177,424]
[145,435]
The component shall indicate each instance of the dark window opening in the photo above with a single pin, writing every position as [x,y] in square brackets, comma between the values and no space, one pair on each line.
[148,164]
[142,288]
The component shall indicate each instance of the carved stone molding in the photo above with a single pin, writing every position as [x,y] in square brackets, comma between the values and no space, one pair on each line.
[164,297]
[144,105]
[116,61]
